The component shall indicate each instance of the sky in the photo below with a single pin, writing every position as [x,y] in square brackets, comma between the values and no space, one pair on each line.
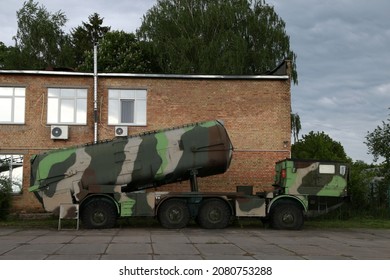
[342,48]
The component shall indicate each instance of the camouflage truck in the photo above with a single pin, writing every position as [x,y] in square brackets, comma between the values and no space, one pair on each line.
[112,179]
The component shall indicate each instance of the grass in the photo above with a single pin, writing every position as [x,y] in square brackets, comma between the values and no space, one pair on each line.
[48,222]
[322,222]
[355,222]
[51,222]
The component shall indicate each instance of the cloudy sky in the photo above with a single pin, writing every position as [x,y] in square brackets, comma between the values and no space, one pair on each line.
[343,49]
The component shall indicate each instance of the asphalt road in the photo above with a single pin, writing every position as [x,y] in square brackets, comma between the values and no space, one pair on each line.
[194,244]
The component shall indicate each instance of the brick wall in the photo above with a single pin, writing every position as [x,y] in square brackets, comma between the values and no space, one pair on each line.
[256,113]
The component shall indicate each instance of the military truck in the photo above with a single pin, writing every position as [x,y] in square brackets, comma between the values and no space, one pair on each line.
[112,179]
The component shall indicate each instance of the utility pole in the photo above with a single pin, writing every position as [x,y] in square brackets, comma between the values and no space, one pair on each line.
[95,88]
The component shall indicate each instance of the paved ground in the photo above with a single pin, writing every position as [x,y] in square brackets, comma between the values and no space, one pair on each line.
[194,244]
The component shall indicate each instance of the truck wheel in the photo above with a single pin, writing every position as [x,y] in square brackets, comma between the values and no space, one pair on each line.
[214,214]
[174,213]
[286,215]
[99,213]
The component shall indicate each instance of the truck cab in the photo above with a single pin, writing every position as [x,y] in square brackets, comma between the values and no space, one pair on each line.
[314,187]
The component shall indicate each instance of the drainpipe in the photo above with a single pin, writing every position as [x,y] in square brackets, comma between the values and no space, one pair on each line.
[95,85]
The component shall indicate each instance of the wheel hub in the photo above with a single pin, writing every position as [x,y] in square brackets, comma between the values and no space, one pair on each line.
[99,217]
[288,218]
[214,215]
[175,215]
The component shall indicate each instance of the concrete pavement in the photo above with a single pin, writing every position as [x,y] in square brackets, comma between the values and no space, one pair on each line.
[194,244]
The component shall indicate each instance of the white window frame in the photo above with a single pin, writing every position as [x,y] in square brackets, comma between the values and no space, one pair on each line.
[327,169]
[115,99]
[12,105]
[67,106]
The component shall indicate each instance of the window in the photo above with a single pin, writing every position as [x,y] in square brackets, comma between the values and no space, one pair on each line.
[127,106]
[11,170]
[12,105]
[327,169]
[67,106]
[343,170]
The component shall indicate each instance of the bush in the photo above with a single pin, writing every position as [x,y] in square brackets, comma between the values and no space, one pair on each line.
[5,197]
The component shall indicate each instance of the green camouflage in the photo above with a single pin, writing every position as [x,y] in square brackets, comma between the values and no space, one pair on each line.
[308,180]
[251,206]
[108,179]
[124,165]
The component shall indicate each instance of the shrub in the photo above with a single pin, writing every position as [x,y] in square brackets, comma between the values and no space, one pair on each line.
[5,197]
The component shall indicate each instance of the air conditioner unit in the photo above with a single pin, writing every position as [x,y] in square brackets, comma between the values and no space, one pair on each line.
[121,131]
[59,132]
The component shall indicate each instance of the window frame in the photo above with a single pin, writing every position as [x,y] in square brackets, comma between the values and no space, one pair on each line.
[139,98]
[57,115]
[17,100]
[327,169]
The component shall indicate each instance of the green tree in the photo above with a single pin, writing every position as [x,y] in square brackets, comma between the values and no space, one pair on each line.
[216,37]
[3,55]
[10,57]
[378,145]
[378,142]
[295,126]
[84,36]
[318,146]
[360,176]
[40,40]
[118,51]
[5,197]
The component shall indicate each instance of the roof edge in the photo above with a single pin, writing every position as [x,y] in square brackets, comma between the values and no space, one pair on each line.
[45,72]
[197,76]
[156,76]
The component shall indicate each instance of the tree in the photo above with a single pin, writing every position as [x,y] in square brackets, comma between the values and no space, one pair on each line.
[118,52]
[295,126]
[84,36]
[40,39]
[10,57]
[3,54]
[318,146]
[378,145]
[5,197]
[378,142]
[216,37]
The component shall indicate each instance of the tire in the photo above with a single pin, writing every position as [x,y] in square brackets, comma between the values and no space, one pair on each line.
[287,216]
[214,214]
[174,214]
[99,213]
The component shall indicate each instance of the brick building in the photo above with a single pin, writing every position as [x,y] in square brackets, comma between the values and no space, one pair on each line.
[255,110]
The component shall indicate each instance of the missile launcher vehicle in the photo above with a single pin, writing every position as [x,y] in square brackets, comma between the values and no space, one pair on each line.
[114,178]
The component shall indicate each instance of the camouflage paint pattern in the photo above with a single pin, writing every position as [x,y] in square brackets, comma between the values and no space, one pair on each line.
[305,178]
[137,203]
[68,211]
[250,206]
[124,165]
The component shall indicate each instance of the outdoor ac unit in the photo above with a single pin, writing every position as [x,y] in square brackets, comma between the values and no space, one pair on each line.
[59,132]
[121,131]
